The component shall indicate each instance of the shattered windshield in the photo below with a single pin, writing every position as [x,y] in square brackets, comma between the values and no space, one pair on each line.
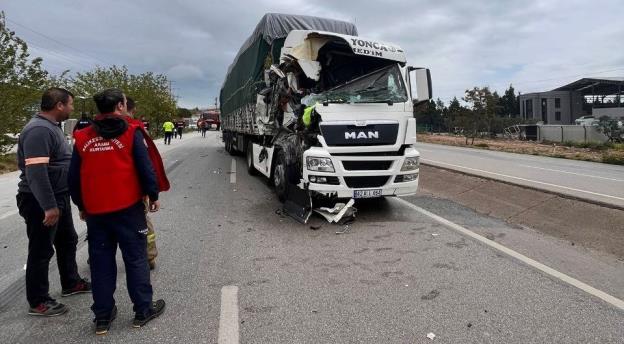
[383,85]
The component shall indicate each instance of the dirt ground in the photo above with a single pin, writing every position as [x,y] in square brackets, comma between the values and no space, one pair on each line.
[614,155]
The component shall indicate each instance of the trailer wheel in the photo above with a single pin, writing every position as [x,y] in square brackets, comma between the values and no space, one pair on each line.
[249,157]
[229,144]
[279,176]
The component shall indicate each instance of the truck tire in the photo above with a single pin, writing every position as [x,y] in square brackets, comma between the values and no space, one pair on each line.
[279,176]
[230,147]
[249,159]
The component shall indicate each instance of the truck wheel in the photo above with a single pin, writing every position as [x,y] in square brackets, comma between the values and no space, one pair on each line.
[226,141]
[231,147]
[249,157]
[279,176]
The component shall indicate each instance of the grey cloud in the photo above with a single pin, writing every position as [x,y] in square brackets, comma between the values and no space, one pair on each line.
[465,43]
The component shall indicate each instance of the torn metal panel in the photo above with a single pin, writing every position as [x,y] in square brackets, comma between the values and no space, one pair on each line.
[339,211]
[298,204]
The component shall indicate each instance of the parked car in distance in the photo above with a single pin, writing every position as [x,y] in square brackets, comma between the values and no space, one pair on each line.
[586,120]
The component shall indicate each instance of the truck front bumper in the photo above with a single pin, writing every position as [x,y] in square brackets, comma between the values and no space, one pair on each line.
[381,173]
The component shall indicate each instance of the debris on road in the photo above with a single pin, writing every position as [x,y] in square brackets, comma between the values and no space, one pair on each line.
[344,230]
[434,234]
[339,211]
[431,335]
[315,227]
[298,204]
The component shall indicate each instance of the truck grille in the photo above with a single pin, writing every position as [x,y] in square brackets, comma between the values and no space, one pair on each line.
[366,182]
[366,165]
[352,135]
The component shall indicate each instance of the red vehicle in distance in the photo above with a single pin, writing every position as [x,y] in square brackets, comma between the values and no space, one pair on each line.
[211,118]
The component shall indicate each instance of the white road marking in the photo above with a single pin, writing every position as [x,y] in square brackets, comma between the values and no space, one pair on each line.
[523,179]
[233,172]
[8,214]
[228,320]
[533,263]
[574,173]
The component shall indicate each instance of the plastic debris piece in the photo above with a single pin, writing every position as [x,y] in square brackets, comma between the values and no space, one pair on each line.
[431,335]
[24,266]
[339,211]
[435,234]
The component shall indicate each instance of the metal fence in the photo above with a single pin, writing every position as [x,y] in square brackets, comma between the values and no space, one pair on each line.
[570,133]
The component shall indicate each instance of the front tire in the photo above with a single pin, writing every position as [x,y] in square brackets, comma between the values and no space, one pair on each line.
[280,183]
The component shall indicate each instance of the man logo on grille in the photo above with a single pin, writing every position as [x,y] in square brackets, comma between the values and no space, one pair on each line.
[361,135]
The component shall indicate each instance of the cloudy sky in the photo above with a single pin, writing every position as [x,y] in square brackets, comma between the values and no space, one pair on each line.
[535,45]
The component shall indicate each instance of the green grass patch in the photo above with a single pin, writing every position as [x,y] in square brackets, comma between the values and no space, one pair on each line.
[481,145]
[613,159]
[8,162]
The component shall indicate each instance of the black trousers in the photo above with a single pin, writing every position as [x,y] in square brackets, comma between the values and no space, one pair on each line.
[42,241]
[168,135]
[128,230]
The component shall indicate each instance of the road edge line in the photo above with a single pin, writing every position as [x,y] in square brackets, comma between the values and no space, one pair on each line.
[612,300]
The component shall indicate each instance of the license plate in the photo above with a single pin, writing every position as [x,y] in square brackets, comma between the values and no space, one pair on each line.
[367,193]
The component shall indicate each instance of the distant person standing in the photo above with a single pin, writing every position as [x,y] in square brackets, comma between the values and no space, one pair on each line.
[109,175]
[168,127]
[43,157]
[204,127]
[146,123]
[180,127]
[84,122]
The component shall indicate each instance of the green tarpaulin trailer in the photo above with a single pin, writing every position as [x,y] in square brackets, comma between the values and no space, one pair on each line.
[260,50]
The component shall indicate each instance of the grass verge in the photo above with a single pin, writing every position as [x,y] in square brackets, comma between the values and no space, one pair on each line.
[8,163]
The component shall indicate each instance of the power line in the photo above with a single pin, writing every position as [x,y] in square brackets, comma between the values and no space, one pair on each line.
[60,55]
[58,42]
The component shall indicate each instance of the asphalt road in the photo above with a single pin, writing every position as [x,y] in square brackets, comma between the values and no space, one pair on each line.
[587,180]
[232,269]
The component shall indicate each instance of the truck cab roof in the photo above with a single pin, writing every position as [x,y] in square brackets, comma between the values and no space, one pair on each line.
[305,44]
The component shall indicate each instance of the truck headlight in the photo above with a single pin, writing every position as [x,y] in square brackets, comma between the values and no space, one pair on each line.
[319,164]
[411,164]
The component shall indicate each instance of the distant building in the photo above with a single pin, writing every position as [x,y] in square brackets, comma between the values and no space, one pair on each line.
[584,97]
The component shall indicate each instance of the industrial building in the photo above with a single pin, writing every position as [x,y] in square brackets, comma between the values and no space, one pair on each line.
[584,97]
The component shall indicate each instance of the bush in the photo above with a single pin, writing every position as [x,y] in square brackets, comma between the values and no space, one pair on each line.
[8,162]
[613,159]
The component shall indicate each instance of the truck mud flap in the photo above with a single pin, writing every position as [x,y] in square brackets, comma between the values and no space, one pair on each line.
[298,204]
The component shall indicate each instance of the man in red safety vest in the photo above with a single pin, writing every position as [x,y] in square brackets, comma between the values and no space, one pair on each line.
[109,175]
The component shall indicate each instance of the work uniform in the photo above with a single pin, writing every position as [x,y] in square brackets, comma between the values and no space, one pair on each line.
[110,173]
[163,185]
[168,128]
[43,157]
[179,128]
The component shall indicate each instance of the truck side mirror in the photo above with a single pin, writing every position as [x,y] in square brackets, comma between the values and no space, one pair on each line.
[420,84]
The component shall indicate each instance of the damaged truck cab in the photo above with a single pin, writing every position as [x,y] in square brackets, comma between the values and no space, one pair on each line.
[324,112]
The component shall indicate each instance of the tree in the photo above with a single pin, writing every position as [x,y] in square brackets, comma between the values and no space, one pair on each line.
[22,81]
[509,103]
[184,113]
[150,91]
[430,114]
[611,128]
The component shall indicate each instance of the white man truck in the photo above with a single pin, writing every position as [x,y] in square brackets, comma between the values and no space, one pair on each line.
[319,110]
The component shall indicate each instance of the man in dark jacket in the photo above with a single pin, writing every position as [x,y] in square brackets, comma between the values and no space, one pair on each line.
[43,200]
[109,175]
